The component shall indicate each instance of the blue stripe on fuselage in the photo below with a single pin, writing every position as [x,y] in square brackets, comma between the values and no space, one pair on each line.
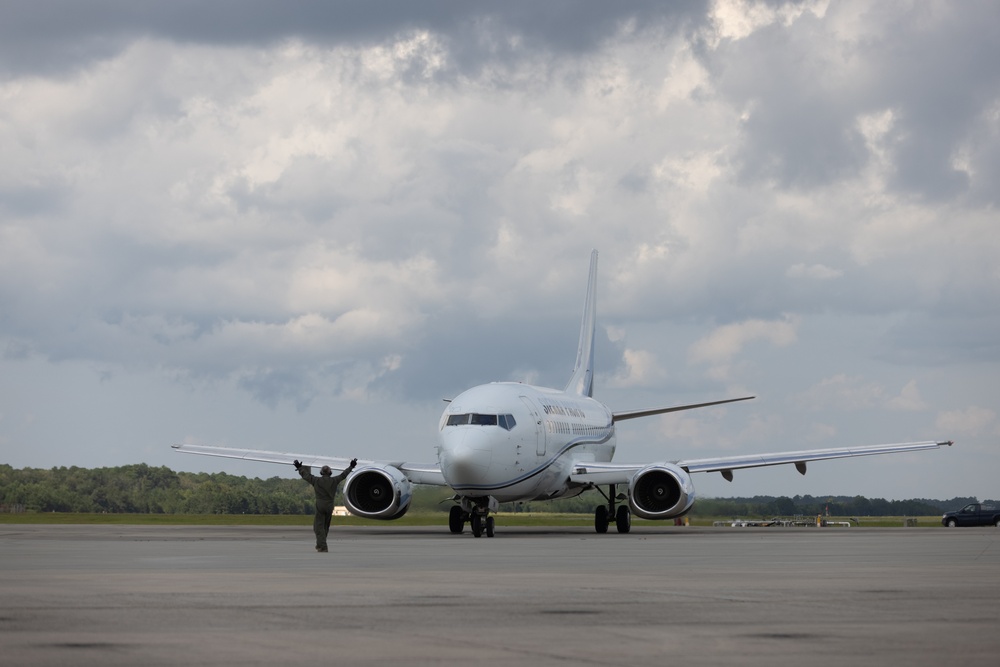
[537,471]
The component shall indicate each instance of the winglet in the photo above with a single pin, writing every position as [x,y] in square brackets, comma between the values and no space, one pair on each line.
[582,381]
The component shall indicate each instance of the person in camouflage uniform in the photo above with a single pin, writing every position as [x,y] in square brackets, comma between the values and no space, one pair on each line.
[325,487]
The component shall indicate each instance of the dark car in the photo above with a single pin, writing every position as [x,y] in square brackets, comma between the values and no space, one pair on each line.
[973,514]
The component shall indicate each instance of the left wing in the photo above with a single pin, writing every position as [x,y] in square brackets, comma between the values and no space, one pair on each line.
[726,464]
[417,473]
[621,473]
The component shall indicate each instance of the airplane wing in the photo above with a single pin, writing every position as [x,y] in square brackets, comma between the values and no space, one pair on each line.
[586,473]
[417,473]
[620,473]
[726,464]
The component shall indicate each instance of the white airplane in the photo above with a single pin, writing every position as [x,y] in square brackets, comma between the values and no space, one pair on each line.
[507,441]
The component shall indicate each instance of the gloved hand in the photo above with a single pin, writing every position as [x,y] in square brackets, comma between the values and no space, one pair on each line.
[297,464]
[354,462]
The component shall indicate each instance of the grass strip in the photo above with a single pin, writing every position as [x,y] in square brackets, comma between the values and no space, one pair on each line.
[412,519]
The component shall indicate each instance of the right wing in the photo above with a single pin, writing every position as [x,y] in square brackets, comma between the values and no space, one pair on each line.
[417,473]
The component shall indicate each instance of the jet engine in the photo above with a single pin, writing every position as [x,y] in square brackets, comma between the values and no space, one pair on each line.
[378,492]
[660,491]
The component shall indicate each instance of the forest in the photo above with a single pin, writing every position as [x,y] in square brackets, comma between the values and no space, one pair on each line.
[144,489]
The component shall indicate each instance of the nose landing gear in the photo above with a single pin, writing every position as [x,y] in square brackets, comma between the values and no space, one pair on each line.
[477,512]
[479,522]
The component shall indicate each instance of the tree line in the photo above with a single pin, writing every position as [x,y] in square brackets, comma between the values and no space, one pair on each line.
[852,506]
[774,506]
[144,489]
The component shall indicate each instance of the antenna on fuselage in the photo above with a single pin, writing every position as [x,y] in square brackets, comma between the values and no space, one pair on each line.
[582,381]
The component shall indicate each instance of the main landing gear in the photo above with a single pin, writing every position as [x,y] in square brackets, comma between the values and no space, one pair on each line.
[603,513]
[477,512]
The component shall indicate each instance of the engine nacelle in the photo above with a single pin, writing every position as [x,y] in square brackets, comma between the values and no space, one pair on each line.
[378,492]
[660,491]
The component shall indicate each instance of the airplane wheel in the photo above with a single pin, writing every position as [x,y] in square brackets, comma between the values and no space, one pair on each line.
[601,519]
[623,519]
[489,526]
[456,520]
[477,524]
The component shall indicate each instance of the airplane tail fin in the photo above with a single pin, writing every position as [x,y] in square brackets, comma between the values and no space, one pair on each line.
[582,381]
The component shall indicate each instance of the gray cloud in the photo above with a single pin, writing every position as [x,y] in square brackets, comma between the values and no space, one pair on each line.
[325,208]
[929,64]
[61,35]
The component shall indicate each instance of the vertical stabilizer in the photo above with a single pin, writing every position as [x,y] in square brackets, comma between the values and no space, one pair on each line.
[582,382]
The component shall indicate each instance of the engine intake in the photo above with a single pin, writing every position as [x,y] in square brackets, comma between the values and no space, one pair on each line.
[378,492]
[661,491]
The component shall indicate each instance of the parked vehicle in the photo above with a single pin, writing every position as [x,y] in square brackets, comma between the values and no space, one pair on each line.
[973,514]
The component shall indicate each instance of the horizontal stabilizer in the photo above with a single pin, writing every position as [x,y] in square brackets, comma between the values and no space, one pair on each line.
[633,414]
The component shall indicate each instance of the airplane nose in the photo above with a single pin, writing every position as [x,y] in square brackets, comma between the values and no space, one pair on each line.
[465,456]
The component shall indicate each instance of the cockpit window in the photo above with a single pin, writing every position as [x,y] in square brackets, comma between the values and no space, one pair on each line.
[477,419]
[483,420]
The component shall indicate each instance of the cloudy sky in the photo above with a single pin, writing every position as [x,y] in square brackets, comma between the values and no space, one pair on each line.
[300,226]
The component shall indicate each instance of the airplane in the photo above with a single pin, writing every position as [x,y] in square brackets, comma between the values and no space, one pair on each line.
[508,441]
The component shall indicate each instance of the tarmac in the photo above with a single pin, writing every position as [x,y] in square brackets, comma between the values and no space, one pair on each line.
[231,595]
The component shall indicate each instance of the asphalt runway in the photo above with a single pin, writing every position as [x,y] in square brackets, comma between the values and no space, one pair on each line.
[127,595]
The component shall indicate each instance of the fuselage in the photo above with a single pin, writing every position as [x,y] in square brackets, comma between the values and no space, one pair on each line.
[515,441]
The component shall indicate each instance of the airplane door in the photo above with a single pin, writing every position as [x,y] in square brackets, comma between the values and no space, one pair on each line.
[539,431]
